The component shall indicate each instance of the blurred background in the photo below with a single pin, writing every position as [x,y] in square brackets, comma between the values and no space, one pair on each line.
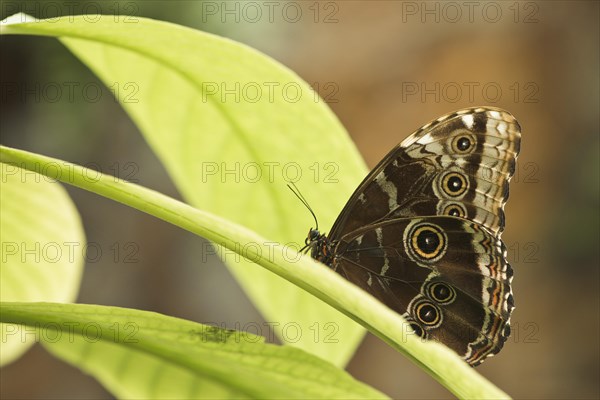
[385,68]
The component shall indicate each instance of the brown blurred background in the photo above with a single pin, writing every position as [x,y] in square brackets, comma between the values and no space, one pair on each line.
[385,68]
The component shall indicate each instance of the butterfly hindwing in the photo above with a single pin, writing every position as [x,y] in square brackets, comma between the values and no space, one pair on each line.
[447,276]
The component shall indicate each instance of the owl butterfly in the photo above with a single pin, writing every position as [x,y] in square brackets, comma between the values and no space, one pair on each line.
[421,233]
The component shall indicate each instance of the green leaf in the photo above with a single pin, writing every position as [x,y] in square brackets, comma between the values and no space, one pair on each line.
[230,125]
[439,361]
[42,247]
[140,354]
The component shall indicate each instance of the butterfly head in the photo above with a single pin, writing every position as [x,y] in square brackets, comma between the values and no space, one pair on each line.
[315,242]
[313,236]
[318,245]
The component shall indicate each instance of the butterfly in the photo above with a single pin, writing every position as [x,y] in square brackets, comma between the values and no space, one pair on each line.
[421,233]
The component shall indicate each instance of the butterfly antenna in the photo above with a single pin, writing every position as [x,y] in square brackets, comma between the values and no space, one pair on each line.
[292,186]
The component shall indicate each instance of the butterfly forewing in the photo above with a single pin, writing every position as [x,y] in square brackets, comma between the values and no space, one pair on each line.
[459,165]
[422,231]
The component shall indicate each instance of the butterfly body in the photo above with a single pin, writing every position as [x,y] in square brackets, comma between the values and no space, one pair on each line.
[422,231]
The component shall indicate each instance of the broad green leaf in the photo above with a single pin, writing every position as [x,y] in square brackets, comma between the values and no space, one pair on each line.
[42,247]
[315,278]
[140,354]
[230,125]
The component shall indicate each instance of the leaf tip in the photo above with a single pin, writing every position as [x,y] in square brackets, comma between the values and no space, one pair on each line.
[18,18]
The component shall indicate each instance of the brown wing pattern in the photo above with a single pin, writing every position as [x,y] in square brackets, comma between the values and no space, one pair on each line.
[422,231]
[458,165]
[443,267]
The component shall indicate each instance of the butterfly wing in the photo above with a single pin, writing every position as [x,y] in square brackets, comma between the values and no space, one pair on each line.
[458,165]
[447,276]
[422,231]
